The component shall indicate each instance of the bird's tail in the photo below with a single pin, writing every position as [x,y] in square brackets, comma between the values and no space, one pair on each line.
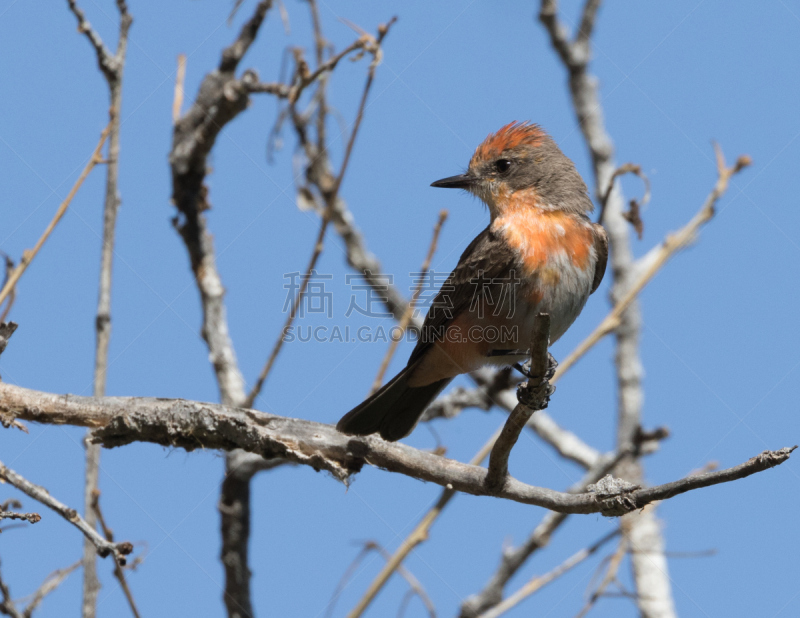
[393,410]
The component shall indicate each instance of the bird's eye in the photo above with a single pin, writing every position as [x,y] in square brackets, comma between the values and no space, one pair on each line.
[502,165]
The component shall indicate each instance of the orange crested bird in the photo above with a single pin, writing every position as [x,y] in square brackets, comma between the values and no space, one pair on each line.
[539,254]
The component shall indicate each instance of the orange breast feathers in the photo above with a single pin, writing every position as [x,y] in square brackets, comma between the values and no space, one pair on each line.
[541,236]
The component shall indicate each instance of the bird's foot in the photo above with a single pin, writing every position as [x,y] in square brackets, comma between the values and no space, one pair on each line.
[525,368]
[537,391]
[536,397]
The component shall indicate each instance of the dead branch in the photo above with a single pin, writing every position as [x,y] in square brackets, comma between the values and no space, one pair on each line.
[180,78]
[575,56]
[537,583]
[29,254]
[190,425]
[119,573]
[513,559]
[533,396]
[13,295]
[328,187]
[633,216]
[40,494]
[565,442]
[611,574]
[112,66]
[29,517]
[6,330]
[221,98]
[405,320]
[51,582]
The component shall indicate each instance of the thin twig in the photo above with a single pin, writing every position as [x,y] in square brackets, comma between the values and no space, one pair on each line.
[610,575]
[415,587]
[532,397]
[657,258]
[331,195]
[7,605]
[633,216]
[51,582]
[537,583]
[513,559]
[177,99]
[40,494]
[28,255]
[409,312]
[12,297]
[29,517]
[112,66]
[119,573]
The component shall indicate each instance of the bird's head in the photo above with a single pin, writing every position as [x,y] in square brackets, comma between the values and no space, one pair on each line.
[520,165]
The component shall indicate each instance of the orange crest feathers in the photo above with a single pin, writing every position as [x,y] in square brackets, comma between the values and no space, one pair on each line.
[510,136]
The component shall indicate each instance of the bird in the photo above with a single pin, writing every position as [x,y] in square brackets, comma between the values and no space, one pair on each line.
[540,253]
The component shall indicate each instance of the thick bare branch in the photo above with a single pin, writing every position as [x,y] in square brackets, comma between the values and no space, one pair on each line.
[190,425]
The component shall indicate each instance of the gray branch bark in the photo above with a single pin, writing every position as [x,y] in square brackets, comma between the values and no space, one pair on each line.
[112,67]
[649,566]
[190,425]
[221,98]
[40,494]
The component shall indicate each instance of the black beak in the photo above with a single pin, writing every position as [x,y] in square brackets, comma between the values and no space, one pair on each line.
[462,181]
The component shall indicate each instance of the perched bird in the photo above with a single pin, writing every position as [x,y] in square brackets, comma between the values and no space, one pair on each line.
[539,254]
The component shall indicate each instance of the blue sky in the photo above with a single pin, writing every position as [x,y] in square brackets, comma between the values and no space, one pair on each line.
[720,342]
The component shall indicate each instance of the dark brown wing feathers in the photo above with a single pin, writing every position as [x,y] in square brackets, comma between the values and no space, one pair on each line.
[601,247]
[488,254]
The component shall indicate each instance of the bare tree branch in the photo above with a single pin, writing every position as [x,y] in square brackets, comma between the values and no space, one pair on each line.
[611,574]
[7,605]
[13,295]
[112,67]
[415,587]
[6,330]
[29,517]
[566,443]
[190,425]
[513,559]
[29,254]
[40,494]
[539,582]
[405,320]
[586,102]
[51,582]
[329,189]
[119,573]
[533,396]
[654,260]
